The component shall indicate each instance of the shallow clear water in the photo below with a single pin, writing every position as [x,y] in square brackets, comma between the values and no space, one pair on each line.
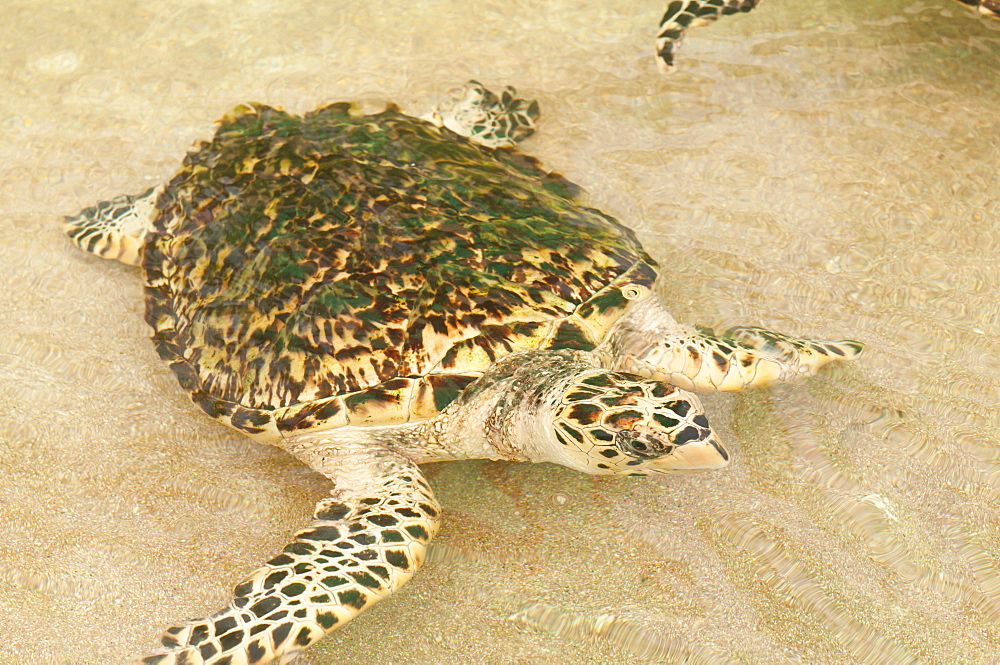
[823,168]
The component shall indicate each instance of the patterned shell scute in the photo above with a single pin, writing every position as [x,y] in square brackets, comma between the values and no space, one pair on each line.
[337,269]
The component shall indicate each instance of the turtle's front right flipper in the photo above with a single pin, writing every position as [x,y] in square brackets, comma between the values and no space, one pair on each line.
[683,14]
[363,543]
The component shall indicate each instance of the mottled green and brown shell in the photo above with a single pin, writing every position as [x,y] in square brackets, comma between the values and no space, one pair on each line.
[333,269]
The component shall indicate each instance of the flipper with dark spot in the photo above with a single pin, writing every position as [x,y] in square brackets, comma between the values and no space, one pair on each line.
[115,229]
[363,543]
[740,358]
[486,118]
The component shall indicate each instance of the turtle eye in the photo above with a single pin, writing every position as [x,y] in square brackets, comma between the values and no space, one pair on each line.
[632,292]
[642,446]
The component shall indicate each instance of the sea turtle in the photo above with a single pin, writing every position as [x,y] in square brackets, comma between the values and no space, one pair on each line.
[372,292]
[989,8]
[680,15]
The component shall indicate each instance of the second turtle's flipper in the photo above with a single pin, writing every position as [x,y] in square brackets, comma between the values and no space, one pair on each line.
[740,358]
[364,542]
[683,14]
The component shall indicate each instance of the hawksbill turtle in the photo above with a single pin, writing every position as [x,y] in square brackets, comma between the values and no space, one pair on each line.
[373,292]
[681,15]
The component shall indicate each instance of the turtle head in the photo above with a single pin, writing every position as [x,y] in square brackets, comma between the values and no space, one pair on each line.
[614,423]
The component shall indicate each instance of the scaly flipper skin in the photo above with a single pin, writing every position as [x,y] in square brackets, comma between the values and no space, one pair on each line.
[684,14]
[115,229]
[364,542]
[488,119]
[740,358]
[651,344]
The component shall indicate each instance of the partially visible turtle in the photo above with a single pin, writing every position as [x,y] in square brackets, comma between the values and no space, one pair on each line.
[681,15]
[989,8]
[372,292]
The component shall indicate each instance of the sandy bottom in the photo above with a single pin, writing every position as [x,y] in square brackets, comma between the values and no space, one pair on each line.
[827,168]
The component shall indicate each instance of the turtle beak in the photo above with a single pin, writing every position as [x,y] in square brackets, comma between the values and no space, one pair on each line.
[702,454]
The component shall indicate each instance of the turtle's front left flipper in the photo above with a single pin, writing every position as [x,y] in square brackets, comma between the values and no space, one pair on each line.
[683,14]
[363,543]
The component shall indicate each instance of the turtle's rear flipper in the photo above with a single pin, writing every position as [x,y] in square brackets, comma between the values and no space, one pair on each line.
[115,229]
[364,543]
[683,14]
